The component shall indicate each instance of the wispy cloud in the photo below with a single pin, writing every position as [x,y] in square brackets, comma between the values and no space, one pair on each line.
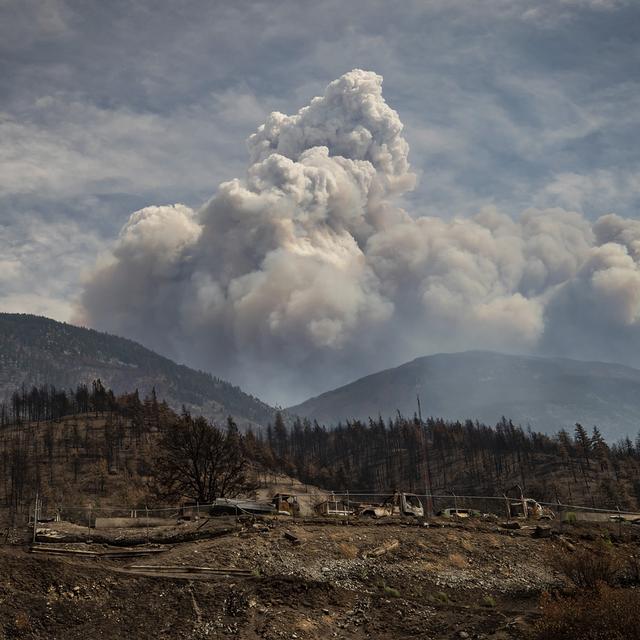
[43,263]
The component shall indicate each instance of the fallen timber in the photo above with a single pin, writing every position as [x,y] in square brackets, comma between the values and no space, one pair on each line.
[128,540]
[188,572]
[106,554]
[191,569]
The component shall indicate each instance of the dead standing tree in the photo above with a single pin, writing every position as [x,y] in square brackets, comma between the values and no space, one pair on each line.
[197,460]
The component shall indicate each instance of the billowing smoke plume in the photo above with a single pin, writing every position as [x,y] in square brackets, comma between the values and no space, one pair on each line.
[307,272]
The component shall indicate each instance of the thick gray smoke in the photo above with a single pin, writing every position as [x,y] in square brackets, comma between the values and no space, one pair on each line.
[308,273]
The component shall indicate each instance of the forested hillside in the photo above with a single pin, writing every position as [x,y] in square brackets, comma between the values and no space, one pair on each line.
[90,446]
[469,458]
[87,447]
[548,394]
[36,351]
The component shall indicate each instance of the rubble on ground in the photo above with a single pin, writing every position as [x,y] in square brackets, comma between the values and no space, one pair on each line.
[286,578]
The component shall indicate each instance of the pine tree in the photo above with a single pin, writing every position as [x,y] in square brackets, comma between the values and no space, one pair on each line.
[600,449]
[583,442]
[280,435]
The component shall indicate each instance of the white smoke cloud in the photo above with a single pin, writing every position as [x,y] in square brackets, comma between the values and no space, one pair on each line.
[307,272]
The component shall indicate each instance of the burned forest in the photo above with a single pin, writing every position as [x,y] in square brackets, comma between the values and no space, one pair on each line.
[90,443]
[293,519]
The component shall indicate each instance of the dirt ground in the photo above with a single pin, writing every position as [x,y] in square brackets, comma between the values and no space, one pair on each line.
[304,579]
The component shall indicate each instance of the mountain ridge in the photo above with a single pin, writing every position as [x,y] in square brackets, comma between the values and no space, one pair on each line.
[548,393]
[37,350]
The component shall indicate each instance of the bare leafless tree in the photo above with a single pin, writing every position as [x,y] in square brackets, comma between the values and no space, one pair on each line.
[197,460]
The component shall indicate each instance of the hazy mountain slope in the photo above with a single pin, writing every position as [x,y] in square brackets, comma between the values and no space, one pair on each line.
[548,393]
[36,350]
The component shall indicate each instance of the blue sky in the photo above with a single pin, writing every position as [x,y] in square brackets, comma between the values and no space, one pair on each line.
[106,107]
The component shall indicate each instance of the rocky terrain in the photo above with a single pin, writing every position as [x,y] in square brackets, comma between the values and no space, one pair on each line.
[302,579]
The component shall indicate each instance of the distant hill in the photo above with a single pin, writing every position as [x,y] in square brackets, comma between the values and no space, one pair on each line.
[547,393]
[36,350]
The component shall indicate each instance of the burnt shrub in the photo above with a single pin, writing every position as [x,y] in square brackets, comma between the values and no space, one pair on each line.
[587,568]
[604,613]
[631,574]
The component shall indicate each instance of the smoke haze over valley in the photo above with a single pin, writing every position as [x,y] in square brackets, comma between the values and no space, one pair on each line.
[550,393]
[308,272]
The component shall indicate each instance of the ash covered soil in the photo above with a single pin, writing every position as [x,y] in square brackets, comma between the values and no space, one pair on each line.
[305,580]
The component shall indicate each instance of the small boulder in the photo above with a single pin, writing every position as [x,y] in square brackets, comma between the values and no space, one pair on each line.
[542,531]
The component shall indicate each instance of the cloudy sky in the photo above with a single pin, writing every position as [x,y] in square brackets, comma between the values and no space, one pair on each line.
[508,108]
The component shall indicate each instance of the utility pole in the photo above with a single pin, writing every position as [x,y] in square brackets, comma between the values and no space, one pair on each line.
[35,518]
[427,475]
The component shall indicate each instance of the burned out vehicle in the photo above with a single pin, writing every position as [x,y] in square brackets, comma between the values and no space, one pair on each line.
[529,508]
[231,507]
[281,504]
[454,512]
[526,508]
[286,504]
[334,507]
[398,504]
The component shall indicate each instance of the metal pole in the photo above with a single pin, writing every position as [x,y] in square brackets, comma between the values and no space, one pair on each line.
[427,475]
[560,514]
[619,524]
[525,509]
[35,518]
